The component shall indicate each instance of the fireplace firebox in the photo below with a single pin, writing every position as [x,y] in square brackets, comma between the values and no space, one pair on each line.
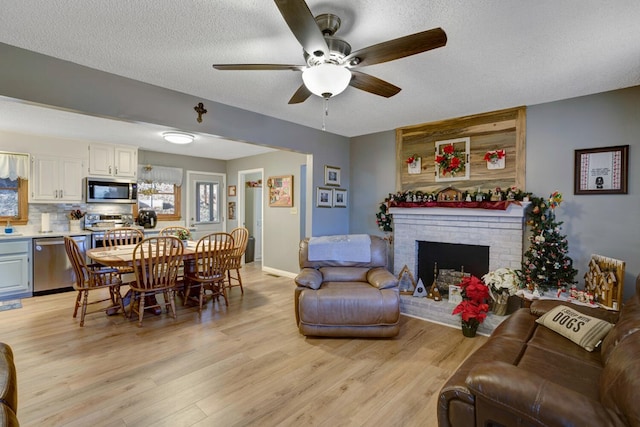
[454,256]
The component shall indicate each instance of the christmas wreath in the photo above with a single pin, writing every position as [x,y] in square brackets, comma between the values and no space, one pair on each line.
[450,161]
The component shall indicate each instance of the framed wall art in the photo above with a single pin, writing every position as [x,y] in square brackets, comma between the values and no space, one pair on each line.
[324,197]
[332,175]
[280,191]
[231,214]
[339,198]
[601,170]
[452,159]
[231,191]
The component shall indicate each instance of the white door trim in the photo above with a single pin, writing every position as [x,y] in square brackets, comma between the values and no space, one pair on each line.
[241,195]
[223,196]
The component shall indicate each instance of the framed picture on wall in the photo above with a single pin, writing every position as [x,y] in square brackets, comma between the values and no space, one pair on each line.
[280,191]
[331,175]
[452,159]
[231,211]
[231,191]
[339,198]
[324,197]
[601,170]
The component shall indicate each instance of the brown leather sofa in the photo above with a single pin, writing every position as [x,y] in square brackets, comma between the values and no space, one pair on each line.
[347,299]
[528,375]
[8,388]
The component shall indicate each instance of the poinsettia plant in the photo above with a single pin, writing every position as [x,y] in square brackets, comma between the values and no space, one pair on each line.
[473,308]
[412,158]
[450,160]
[494,155]
[502,283]
[471,311]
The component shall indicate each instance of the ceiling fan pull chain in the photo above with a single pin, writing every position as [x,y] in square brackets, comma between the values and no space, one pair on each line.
[326,113]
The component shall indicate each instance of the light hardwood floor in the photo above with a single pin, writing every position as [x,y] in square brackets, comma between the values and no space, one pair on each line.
[242,365]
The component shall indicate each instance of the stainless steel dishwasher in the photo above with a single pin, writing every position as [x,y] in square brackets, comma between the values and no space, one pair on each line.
[52,270]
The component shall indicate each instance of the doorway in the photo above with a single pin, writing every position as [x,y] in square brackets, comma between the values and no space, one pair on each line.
[250,209]
[205,201]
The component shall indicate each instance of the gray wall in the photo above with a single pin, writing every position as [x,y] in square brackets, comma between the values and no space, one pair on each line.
[603,224]
[373,174]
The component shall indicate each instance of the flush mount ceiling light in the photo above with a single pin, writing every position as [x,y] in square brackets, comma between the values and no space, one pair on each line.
[326,80]
[178,137]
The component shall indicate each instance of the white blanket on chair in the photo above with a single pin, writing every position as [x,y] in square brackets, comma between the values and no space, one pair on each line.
[344,247]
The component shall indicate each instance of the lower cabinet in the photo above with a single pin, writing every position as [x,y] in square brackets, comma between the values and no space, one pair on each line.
[15,269]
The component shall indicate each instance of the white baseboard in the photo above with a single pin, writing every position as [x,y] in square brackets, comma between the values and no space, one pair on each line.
[279,272]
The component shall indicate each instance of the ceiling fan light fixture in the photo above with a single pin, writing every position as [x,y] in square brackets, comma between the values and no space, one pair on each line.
[326,80]
[178,137]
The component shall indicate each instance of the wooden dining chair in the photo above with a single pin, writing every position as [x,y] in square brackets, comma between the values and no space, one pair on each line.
[92,277]
[175,230]
[212,257]
[122,236]
[119,237]
[240,239]
[156,261]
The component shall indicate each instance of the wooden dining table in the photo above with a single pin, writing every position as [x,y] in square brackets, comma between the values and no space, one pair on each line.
[122,256]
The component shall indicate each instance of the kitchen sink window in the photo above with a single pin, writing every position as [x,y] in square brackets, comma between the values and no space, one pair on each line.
[13,188]
[159,188]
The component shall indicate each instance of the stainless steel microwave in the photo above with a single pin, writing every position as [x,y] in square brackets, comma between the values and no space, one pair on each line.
[104,190]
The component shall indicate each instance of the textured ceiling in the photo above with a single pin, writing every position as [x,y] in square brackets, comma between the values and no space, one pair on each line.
[499,54]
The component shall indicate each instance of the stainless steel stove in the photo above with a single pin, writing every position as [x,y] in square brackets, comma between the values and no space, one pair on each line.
[99,223]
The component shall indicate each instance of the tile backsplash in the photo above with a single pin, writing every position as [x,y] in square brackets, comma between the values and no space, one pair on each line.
[59,213]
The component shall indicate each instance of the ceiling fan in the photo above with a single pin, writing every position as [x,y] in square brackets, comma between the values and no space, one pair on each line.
[330,64]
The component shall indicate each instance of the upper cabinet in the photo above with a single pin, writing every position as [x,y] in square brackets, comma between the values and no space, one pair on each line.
[113,160]
[56,179]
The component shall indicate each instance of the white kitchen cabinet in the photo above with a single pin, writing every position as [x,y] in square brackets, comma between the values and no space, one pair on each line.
[56,179]
[15,269]
[113,160]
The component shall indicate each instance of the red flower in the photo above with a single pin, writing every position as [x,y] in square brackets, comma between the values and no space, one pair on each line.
[455,163]
[448,149]
[471,310]
[474,289]
[495,154]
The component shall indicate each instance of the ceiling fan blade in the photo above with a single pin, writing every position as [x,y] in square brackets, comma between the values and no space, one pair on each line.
[303,25]
[398,48]
[275,67]
[372,84]
[301,95]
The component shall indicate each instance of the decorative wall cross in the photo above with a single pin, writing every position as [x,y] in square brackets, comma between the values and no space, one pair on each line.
[200,110]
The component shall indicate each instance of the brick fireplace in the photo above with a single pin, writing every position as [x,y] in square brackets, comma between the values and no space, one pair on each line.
[501,230]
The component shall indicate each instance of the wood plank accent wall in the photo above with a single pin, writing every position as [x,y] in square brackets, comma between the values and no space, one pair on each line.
[504,129]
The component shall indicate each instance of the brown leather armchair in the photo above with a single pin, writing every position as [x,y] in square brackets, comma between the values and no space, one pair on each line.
[347,298]
[8,388]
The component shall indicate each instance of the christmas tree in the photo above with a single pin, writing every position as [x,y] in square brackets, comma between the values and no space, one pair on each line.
[546,263]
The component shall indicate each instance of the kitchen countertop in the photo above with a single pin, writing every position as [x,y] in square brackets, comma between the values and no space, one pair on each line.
[37,235]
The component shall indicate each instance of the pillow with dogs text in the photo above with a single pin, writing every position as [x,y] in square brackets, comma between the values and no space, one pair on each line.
[586,331]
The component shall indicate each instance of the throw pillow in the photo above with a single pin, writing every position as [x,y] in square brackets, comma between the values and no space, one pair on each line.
[586,331]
